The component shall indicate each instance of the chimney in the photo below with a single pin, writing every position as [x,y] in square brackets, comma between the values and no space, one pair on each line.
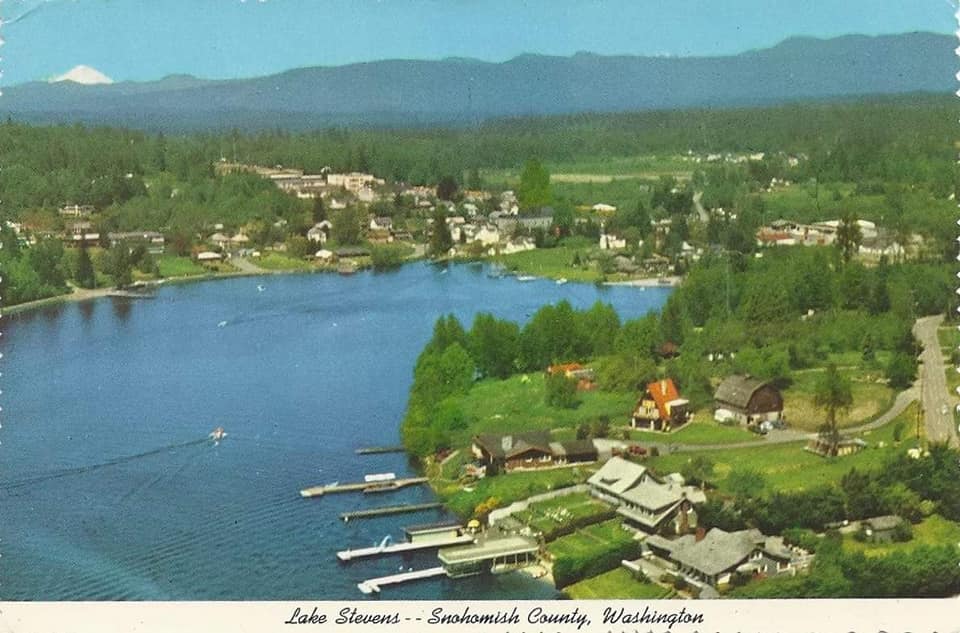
[506,442]
[701,533]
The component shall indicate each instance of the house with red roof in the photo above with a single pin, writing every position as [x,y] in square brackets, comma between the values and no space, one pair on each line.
[660,408]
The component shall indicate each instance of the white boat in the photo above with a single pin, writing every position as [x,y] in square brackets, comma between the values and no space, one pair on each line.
[217,434]
[261,288]
[525,278]
[561,281]
[379,477]
[222,324]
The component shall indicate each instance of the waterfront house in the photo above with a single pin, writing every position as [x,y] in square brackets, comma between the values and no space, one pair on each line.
[748,400]
[318,232]
[152,240]
[219,240]
[531,450]
[712,558]
[647,502]
[660,408]
[508,452]
[78,233]
[208,257]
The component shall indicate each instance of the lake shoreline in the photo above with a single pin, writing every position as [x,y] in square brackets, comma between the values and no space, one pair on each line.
[85,294]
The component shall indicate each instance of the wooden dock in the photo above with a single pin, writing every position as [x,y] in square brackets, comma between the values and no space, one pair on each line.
[376,512]
[376,450]
[399,548]
[363,486]
[373,585]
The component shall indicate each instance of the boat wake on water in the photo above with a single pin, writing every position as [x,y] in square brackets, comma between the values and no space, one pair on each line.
[215,437]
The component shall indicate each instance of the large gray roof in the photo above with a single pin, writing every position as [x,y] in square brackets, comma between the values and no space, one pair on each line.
[737,390]
[721,551]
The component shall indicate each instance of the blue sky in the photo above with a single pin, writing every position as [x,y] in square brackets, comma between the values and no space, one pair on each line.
[148,39]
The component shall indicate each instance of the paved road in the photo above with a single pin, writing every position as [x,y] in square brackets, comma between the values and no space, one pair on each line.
[701,212]
[784,436]
[937,406]
[244,265]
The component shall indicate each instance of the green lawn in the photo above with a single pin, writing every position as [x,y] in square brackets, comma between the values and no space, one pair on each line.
[949,337]
[788,466]
[870,398]
[278,261]
[591,540]
[517,404]
[618,584]
[549,516]
[174,266]
[556,262]
[933,530]
[700,431]
[507,488]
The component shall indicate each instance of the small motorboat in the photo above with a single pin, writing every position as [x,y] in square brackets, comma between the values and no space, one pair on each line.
[217,434]
[525,278]
[561,281]
[261,288]
[222,324]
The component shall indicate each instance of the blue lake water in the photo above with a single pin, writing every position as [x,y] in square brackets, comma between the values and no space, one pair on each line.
[300,376]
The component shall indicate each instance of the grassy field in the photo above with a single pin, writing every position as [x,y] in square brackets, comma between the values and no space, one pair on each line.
[547,517]
[949,337]
[933,530]
[507,488]
[700,431]
[617,584]
[554,263]
[279,261]
[789,467]
[497,406]
[590,540]
[174,266]
[869,400]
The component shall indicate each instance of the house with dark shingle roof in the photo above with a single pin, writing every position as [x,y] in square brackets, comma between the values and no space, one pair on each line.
[528,451]
[748,400]
[711,558]
[645,501]
[881,529]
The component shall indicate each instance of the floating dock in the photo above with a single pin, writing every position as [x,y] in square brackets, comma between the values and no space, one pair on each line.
[363,486]
[376,512]
[376,450]
[373,585]
[400,548]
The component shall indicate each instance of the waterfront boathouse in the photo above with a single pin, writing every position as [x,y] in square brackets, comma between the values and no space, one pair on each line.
[494,554]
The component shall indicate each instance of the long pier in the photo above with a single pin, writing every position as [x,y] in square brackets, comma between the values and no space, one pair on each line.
[399,548]
[376,450]
[376,512]
[363,486]
[373,585]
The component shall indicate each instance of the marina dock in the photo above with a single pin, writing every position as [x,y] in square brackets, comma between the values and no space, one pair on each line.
[363,486]
[373,585]
[399,548]
[376,512]
[376,450]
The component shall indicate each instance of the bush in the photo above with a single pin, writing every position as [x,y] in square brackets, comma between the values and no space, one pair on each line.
[903,532]
[386,257]
[561,392]
[568,569]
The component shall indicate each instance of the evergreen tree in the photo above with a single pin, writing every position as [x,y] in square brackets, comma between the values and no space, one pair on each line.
[440,240]
[84,274]
[534,190]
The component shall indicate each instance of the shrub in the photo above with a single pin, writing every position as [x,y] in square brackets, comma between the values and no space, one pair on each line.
[568,569]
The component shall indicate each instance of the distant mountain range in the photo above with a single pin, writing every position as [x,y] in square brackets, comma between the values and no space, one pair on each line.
[459,91]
